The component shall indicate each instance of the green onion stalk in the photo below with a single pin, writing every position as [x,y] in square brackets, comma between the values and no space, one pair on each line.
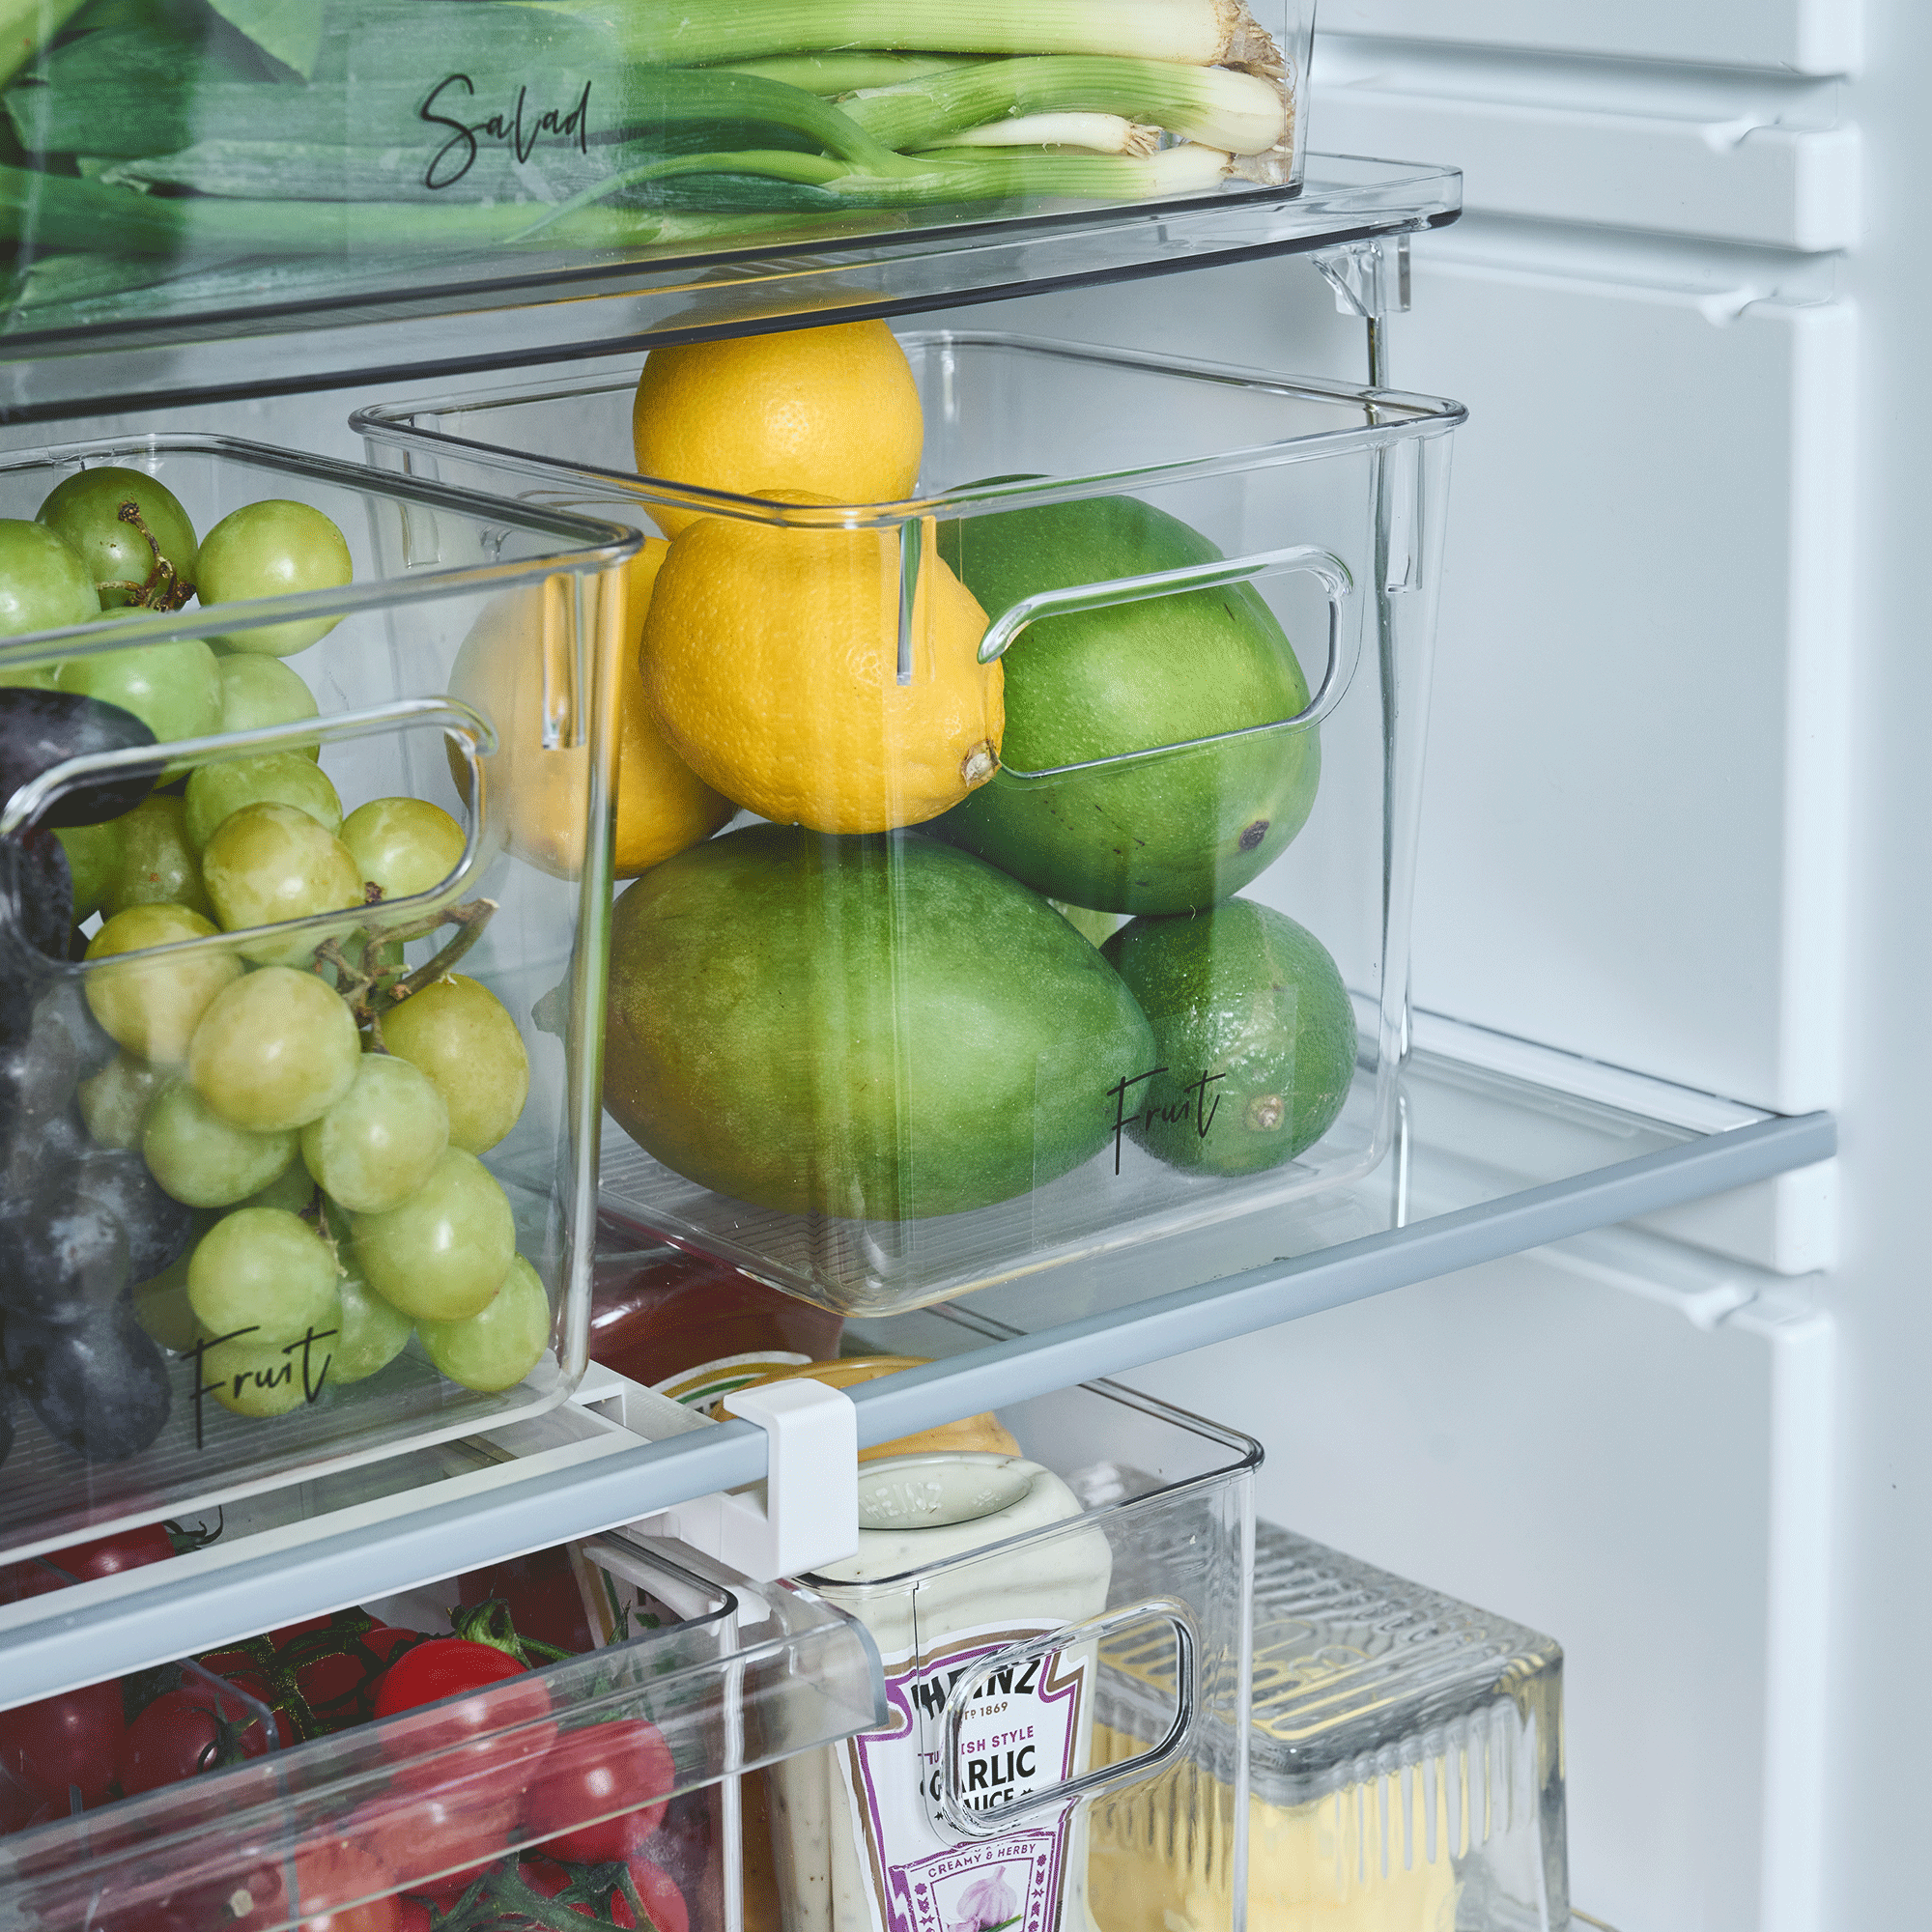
[1239,112]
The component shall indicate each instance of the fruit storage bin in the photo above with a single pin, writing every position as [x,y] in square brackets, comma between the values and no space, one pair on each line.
[1041,1672]
[1406,1766]
[880,1077]
[436,571]
[705,1679]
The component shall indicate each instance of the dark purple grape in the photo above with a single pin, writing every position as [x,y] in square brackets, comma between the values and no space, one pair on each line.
[38,1075]
[159,1227]
[6,1417]
[62,1262]
[36,903]
[65,1005]
[43,729]
[40,1162]
[100,1387]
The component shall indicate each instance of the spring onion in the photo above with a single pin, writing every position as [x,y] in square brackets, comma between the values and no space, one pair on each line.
[1202,32]
[834,74]
[26,26]
[1239,112]
[1101,133]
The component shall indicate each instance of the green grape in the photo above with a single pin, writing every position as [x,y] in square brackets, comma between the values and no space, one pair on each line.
[273,549]
[373,1333]
[158,864]
[263,1272]
[270,863]
[152,1007]
[382,1141]
[215,792]
[275,1050]
[93,858]
[499,1348]
[403,845]
[292,1190]
[85,508]
[163,1308]
[43,584]
[458,1033]
[257,691]
[172,689]
[199,1158]
[252,1377]
[32,677]
[443,1253]
[114,1103]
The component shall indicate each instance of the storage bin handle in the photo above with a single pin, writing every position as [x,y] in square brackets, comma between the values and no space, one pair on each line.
[1096,1631]
[1328,569]
[472,731]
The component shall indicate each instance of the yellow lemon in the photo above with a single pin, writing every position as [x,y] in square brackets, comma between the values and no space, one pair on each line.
[543,794]
[829,411]
[771,659]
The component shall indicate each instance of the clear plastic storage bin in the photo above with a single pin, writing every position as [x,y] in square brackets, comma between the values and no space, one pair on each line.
[430,162]
[1093,1586]
[137,1386]
[613,1773]
[1405,1763]
[879,1072]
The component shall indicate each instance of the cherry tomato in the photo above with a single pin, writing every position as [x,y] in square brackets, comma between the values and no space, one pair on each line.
[415,1916]
[489,1728]
[280,1639]
[427,1833]
[20,1807]
[187,1731]
[345,1888]
[664,1909]
[588,1773]
[84,1562]
[542,1593]
[74,1739]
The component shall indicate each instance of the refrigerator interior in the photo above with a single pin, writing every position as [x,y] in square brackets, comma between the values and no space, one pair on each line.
[1674,799]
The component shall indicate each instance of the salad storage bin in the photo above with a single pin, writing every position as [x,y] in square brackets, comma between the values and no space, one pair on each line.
[1405,1763]
[612,1771]
[375,149]
[190,1058]
[876,1070]
[1021,1621]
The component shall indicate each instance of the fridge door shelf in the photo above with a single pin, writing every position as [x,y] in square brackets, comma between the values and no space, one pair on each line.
[1504,1163]
[231,333]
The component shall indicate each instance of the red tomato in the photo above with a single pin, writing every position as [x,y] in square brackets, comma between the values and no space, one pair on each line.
[84,1562]
[542,1593]
[428,1834]
[415,1916]
[344,1887]
[588,1773]
[20,1807]
[72,1739]
[184,1732]
[486,1733]
[664,1909]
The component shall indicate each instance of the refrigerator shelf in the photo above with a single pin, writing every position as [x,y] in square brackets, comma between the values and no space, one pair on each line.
[242,331]
[1508,1147]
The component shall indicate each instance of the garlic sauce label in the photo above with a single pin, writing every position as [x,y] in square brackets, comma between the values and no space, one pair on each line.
[1023,1733]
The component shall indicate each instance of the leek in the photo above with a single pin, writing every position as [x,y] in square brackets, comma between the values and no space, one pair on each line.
[1202,32]
[1239,112]
[1101,133]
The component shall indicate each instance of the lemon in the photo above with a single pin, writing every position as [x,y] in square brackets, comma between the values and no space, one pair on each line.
[663,805]
[833,413]
[771,659]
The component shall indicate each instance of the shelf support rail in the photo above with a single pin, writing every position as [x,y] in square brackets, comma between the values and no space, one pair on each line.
[1370,278]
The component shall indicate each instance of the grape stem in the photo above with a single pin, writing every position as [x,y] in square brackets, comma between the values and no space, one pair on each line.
[372,989]
[163,588]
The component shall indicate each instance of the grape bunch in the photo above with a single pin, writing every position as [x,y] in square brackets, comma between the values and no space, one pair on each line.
[260,1156]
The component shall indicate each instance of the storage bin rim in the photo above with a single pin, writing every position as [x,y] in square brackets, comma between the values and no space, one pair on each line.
[1414,417]
[590,545]
[1247,1455]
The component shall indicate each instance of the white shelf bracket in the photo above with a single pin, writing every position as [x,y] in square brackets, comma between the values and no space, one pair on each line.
[809,1514]
[1370,278]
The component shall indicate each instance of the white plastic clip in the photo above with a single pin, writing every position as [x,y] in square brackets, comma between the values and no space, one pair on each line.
[810,1513]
